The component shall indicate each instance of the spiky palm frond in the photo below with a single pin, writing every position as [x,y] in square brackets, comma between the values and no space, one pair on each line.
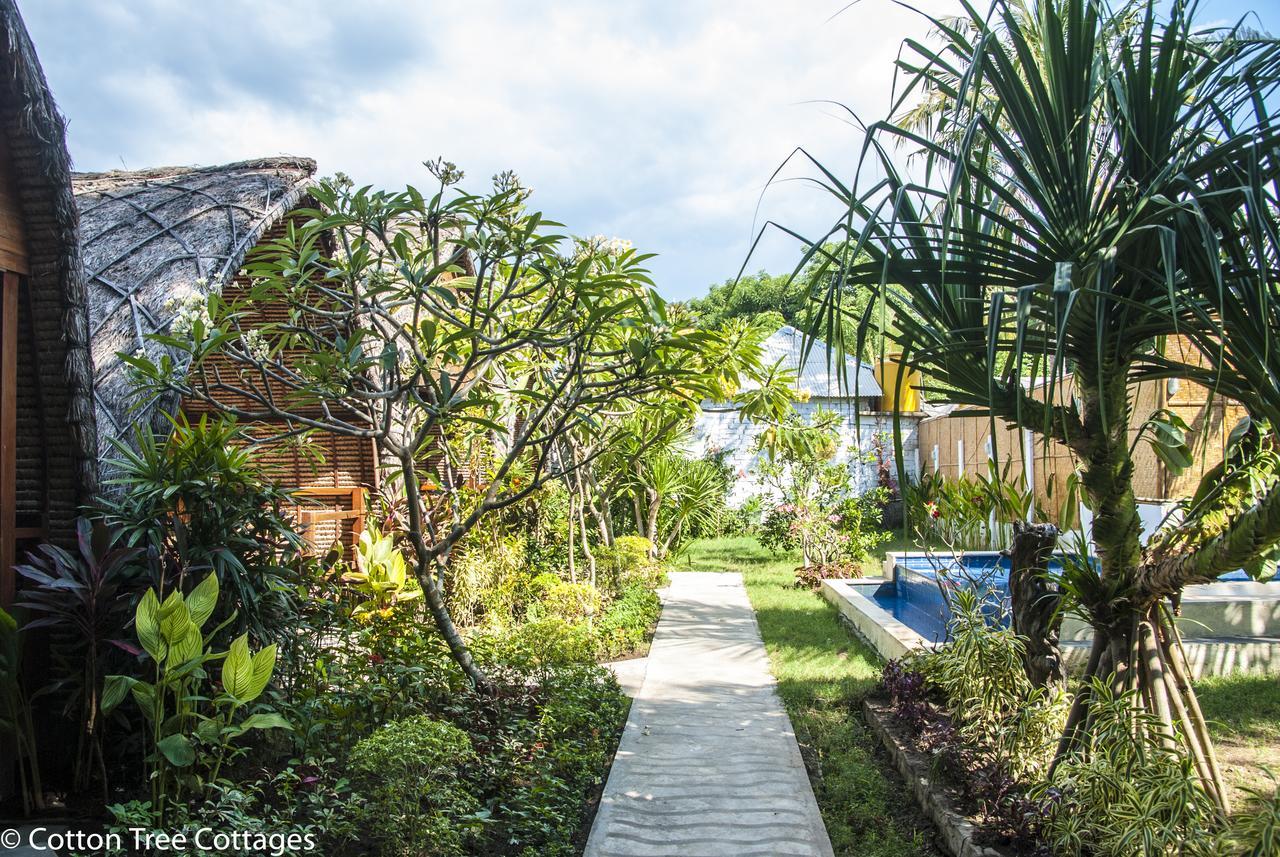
[1110,178]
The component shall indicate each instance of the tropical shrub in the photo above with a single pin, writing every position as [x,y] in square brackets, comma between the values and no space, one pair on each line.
[779,531]
[626,622]
[970,706]
[81,599]
[491,581]
[971,514]
[414,801]
[568,602]
[201,498]
[1128,792]
[535,646]
[15,714]
[676,499]
[819,514]
[835,538]
[811,576]
[629,560]
[859,519]
[743,520]
[993,704]
[1255,831]
[381,578]
[564,747]
[194,726]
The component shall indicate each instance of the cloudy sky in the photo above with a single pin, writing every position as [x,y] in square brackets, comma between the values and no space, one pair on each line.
[657,121]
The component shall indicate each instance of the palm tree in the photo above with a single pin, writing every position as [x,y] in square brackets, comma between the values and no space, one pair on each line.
[1101,178]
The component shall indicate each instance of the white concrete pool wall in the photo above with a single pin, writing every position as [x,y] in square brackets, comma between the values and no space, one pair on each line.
[876,626]
[1227,627]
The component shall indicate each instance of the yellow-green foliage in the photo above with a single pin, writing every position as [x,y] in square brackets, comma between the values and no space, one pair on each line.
[489,582]
[535,645]
[1126,794]
[569,602]
[629,560]
[381,576]
[1256,830]
[626,622]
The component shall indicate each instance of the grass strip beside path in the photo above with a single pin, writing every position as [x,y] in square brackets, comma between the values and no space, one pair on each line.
[823,673]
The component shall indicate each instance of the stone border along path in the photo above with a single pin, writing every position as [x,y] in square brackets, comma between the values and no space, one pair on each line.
[708,763]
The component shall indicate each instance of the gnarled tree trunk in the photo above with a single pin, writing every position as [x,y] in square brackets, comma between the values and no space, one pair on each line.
[1035,600]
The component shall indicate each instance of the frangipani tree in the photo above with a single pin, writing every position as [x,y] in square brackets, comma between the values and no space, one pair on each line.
[1099,179]
[461,333]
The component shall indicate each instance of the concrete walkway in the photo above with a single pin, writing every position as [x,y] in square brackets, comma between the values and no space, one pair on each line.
[708,764]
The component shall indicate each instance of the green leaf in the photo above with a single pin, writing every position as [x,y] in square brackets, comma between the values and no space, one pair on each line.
[174,618]
[144,696]
[237,670]
[208,730]
[260,721]
[264,663]
[147,622]
[188,647]
[203,599]
[177,749]
[114,690]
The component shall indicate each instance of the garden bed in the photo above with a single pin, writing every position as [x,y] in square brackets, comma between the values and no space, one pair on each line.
[958,831]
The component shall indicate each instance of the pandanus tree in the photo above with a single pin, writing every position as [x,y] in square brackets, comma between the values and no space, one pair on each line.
[462,334]
[1093,181]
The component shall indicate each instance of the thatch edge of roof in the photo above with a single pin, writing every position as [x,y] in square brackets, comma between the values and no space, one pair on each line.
[40,119]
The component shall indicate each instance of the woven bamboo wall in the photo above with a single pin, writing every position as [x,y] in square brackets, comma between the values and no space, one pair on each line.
[1211,419]
[331,473]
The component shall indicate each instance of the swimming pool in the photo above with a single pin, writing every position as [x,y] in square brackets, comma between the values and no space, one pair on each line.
[912,596]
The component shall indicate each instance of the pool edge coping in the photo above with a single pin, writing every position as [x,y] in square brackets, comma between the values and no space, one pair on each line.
[890,638]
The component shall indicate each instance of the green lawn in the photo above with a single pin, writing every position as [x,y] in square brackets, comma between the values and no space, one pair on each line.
[1244,719]
[823,673]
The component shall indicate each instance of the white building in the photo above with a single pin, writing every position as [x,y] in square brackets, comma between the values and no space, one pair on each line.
[718,425]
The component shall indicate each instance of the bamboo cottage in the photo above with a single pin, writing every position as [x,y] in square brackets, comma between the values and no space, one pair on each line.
[47,444]
[153,239]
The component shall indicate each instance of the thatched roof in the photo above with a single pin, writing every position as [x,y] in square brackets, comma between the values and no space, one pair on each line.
[36,136]
[149,238]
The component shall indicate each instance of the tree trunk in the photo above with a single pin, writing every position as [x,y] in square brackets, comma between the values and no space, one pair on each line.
[651,522]
[1143,655]
[573,569]
[586,542]
[1035,600]
[423,568]
[1137,648]
[637,509]
[599,508]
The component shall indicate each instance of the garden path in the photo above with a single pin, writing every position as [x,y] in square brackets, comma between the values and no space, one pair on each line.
[708,763]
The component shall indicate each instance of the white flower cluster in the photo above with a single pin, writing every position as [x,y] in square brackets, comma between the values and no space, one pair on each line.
[614,246]
[189,310]
[255,345]
[600,250]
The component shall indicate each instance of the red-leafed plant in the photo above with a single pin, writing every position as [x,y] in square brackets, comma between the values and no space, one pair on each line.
[80,597]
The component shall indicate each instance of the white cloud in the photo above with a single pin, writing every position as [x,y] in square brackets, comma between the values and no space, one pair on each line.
[658,121]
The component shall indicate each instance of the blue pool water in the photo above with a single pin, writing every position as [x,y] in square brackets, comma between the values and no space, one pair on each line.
[913,596]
